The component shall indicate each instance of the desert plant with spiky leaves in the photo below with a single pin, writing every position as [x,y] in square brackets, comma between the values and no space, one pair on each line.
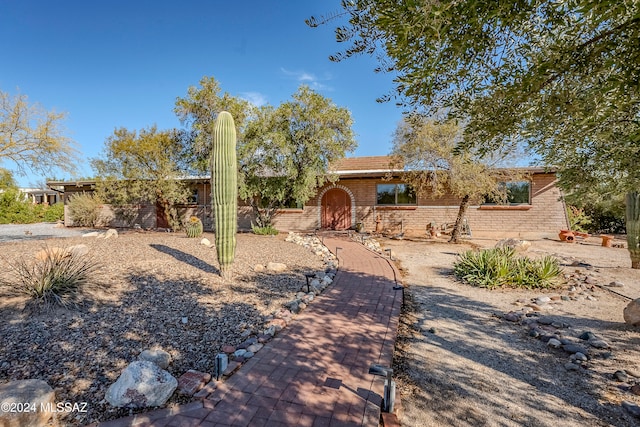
[55,277]
[224,185]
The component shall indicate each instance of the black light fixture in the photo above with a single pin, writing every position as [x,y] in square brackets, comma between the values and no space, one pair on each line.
[308,276]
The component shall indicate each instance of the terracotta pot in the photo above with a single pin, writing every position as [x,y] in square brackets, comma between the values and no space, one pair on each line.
[607,240]
[567,236]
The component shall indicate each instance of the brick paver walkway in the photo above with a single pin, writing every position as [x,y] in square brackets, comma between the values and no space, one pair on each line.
[315,372]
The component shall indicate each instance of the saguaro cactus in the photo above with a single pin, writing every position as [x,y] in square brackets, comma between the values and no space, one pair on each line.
[224,186]
[633,227]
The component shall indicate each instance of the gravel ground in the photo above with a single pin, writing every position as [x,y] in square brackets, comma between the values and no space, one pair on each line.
[460,362]
[146,283]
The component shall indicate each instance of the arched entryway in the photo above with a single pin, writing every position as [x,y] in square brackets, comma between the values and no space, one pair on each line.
[336,209]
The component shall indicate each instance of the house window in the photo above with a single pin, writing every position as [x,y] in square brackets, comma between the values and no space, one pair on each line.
[518,193]
[193,198]
[395,194]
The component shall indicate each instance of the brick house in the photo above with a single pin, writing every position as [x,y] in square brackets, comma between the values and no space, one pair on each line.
[369,194]
[365,194]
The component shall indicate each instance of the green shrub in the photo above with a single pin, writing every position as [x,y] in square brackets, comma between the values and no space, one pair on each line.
[15,208]
[54,212]
[53,278]
[492,268]
[269,230]
[84,209]
[578,219]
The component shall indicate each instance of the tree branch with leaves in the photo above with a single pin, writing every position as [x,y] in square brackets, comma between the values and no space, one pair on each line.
[32,138]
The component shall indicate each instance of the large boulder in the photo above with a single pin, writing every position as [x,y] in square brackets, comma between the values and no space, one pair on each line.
[631,313]
[36,394]
[157,356]
[141,384]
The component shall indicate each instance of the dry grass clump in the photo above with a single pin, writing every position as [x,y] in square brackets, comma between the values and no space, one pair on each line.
[55,277]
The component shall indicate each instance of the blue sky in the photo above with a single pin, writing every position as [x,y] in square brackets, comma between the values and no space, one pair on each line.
[118,63]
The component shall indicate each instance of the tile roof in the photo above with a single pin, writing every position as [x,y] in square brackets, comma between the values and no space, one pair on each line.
[371,163]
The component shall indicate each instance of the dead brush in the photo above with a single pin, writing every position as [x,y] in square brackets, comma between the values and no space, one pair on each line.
[54,278]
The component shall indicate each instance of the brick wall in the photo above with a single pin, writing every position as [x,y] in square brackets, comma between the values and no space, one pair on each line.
[545,214]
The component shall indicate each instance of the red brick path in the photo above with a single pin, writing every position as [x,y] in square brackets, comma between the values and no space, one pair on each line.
[315,372]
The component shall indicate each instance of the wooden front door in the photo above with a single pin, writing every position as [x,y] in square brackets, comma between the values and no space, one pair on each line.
[161,218]
[336,210]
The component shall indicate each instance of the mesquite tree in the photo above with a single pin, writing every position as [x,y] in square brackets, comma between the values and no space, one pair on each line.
[224,186]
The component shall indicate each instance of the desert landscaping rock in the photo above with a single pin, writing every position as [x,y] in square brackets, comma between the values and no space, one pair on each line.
[141,385]
[515,244]
[228,349]
[571,366]
[596,343]
[78,250]
[631,313]
[254,348]
[615,284]
[621,376]
[36,394]
[277,267]
[573,348]
[552,342]
[157,356]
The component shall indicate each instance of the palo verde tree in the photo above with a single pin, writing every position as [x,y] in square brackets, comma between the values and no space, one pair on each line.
[143,166]
[33,138]
[286,152]
[426,150]
[560,76]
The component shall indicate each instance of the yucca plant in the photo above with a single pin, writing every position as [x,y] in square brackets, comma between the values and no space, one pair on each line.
[54,278]
[632,216]
[193,227]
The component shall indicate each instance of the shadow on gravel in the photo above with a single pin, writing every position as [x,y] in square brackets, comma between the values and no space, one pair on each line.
[81,352]
[186,258]
[469,330]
